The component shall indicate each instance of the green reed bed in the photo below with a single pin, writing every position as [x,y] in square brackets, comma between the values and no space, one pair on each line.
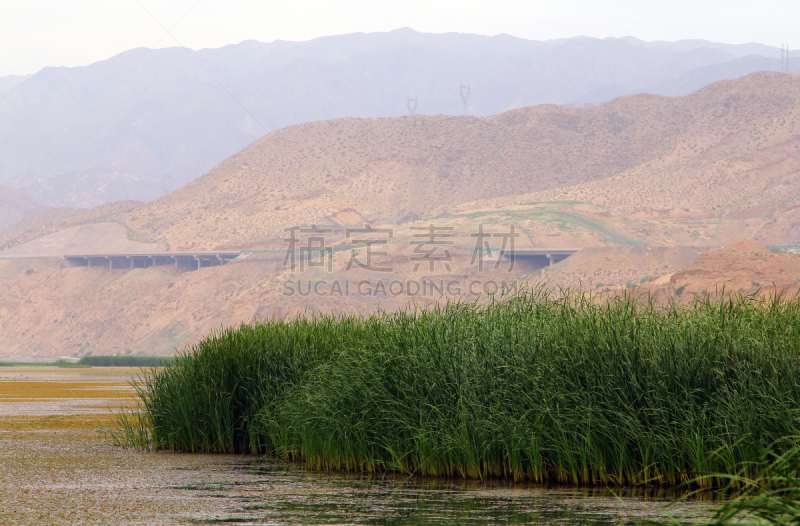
[535,386]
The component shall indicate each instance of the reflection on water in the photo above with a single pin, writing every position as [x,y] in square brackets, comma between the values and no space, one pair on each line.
[56,468]
[264,492]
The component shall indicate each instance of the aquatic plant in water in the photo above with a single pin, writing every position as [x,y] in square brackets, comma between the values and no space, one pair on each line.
[551,388]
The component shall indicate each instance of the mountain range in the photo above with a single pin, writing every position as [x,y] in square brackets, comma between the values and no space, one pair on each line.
[144,122]
[645,184]
[703,169]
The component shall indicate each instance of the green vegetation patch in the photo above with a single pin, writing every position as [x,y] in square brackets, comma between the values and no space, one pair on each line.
[124,361]
[548,388]
[768,494]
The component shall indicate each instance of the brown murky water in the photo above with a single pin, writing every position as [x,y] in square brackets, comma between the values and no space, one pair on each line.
[57,467]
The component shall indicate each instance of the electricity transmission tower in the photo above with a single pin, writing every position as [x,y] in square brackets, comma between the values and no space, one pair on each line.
[412,106]
[784,58]
[787,58]
[465,90]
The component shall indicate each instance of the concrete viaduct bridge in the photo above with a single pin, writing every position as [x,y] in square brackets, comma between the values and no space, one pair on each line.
[189,261]
[180,260]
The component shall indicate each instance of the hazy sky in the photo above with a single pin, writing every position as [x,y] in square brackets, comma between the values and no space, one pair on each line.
[38,33]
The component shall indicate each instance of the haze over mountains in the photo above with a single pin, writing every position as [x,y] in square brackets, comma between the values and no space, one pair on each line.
[15,206]
[144,122]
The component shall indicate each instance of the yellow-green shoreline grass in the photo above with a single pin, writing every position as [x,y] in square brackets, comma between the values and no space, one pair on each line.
[550,388]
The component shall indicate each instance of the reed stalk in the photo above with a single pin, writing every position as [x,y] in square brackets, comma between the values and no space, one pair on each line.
[561,388]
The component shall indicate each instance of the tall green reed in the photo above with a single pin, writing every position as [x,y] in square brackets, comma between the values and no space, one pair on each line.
[768,494]
[551,388]
[764,492]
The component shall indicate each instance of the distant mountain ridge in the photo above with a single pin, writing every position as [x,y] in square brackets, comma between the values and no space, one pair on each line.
[142,123]
[639,170]
[15,206]
[10,81]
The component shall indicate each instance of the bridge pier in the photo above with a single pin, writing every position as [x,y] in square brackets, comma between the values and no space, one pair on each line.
[539,257]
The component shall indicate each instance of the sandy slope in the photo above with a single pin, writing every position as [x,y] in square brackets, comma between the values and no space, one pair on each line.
[91,238]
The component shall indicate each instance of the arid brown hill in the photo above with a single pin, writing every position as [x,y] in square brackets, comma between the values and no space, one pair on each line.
[723,158]
[709,169]
[733,174]
[740,267]
[421,165]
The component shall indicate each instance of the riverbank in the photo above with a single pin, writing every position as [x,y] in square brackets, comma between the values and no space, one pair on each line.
[533,387]
[56,465]
[57,468]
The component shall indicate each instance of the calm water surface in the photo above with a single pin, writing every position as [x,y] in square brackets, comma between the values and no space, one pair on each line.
[56,467]
[269,493]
